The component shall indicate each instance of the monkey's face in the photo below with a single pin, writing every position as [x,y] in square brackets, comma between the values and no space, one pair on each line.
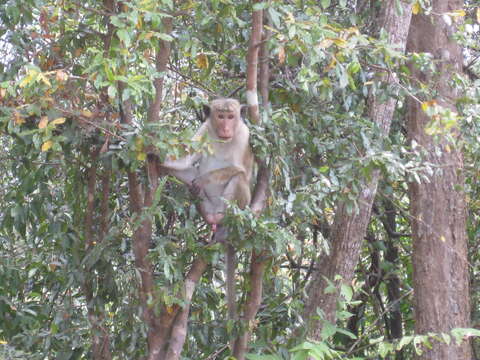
[225,123]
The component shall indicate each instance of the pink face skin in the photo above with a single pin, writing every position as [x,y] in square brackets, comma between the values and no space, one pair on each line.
[226,123]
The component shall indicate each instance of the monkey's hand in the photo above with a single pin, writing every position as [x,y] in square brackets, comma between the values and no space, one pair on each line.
[196,187]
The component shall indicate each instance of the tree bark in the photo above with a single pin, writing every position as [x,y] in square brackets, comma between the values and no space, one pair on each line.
[179,328]
[349,230]
[254,300]
[100,337]
[252,64]
[167,330]
[438,207]
[393,282]
[259,258]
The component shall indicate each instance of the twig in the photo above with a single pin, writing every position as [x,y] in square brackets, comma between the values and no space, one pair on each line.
[95,11]
[373,325]
[192,81]
[108,132]
[214,354]
[83,119]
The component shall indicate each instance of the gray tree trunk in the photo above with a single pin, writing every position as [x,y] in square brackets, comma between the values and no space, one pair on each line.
[438,207]
[349,229]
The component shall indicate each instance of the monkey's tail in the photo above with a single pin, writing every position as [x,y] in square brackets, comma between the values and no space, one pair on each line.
[231,264]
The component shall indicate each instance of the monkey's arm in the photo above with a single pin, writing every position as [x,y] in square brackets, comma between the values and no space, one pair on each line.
[186,175]
[184,168]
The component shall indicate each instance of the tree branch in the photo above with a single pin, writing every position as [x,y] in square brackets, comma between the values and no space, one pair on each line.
[258,259]
[179,328]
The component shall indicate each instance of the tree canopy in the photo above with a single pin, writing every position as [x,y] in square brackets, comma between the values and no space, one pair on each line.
[99,251]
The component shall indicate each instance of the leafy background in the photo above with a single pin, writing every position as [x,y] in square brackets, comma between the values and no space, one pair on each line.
[61,102]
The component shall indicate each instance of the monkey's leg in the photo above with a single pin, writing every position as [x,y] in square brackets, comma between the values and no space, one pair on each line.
[238,189]
[211,188]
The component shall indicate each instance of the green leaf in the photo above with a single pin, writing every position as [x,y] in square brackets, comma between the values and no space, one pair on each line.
[460,334]
[385,348]
[446,338]
[115,20]
[399,7]
[112,92]
[164,36]
[343,79]
[274,16]
[260,6]
[328,330]
[353,67]
[262,357]
[347,333]
[124,36]
[347,292]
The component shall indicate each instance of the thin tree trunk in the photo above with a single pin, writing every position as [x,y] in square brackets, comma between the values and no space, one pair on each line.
[254,300]
[100,338]
[252,64]
[179,328]
[168,330]
[161,327]
[393,282]
[438,207]
[348,229]
[258,259]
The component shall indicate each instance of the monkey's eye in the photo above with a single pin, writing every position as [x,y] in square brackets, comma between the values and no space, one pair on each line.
[221,117]
[231,116]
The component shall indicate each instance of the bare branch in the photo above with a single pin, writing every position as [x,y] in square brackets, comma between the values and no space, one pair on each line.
[161,60]
[252,64]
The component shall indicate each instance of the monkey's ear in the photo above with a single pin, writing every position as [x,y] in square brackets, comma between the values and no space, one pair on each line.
[243,111]
[206,112]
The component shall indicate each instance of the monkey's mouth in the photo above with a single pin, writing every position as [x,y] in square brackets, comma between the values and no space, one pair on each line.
[224,135]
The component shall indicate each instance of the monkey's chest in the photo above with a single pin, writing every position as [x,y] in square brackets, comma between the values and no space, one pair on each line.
[214,162]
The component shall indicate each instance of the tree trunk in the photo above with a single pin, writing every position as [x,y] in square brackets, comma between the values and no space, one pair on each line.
[350,229]
[258,259]
[167,331]
[100,337]
[438,207]
[393,281]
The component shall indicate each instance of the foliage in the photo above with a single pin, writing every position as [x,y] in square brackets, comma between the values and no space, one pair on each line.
[60,101]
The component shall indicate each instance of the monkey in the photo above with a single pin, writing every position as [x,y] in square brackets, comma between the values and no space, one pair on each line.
[224,173]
